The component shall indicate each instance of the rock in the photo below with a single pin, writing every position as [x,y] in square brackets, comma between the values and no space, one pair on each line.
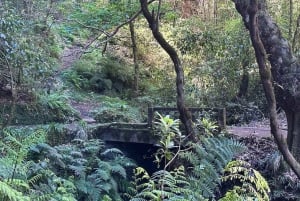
[73,131]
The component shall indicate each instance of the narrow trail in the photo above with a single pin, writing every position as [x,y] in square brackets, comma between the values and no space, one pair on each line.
[69,56]
[257,129]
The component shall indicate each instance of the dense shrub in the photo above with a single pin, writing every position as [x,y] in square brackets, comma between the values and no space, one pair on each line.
[116,110]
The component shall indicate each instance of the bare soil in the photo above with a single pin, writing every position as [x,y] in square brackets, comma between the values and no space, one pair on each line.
[258,129]
[69,56]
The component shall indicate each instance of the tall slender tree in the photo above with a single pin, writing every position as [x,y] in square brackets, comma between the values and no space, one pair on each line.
[135,61]
[153,21]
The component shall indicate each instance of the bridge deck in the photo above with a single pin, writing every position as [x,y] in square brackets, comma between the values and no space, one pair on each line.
[126,132]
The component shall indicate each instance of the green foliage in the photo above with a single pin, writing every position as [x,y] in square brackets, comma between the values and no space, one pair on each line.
[116,110]
[104,75]
[162,185]
[25,49]
[285,185]
[168,130]
[40,112]
[118,72]
[232,195]
[273,163]
[55,134]
[253,184]
[20,177]
[15,143]
[92,16]
[208,161]
[205,162]
[10,194]
[57,103]
[219,55]
[243,112]
[206,127]
[283,182]
[94,171]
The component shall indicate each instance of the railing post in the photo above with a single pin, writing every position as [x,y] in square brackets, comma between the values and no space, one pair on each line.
[222,118]
[150,116]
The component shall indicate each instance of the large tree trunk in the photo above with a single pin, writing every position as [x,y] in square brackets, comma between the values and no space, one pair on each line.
[269,44]
[153,21]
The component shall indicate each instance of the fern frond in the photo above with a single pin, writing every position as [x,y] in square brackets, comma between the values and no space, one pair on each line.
[79,170]
[253,183]
[45,197]
[18,184]
[208,160]
[138,199]
[7,192]
[34,179]
[119,170]
[112,152]
[76,154]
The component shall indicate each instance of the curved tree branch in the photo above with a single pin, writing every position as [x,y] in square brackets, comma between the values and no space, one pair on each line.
[185,115]
[109,35]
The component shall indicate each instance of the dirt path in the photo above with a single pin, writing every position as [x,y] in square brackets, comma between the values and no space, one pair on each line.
[257,129]
[69,56]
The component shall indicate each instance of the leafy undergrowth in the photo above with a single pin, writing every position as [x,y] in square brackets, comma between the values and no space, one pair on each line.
[263,155]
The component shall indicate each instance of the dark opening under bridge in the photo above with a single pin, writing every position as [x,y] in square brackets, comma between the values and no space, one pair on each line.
[143,132]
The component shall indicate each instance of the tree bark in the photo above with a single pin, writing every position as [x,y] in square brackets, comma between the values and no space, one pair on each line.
[291,8]
[134,52]
[284,75]
[185,116]
[296,37]
[243,90]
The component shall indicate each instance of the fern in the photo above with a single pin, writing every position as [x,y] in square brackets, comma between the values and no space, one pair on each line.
[253,184]
[285,185]
[112,151]
[208,160]
[232,195]
[16,173]
[10,194]
[162,185]
[43,150]
[17,145]
[58,102]
[35,179]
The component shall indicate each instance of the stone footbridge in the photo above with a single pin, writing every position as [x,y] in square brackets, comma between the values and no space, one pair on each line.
[143,132]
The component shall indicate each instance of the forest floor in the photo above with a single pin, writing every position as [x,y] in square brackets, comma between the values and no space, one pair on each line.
[258,140]
[258,128]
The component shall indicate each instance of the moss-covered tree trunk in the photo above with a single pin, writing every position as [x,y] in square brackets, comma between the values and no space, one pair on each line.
[269,44]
